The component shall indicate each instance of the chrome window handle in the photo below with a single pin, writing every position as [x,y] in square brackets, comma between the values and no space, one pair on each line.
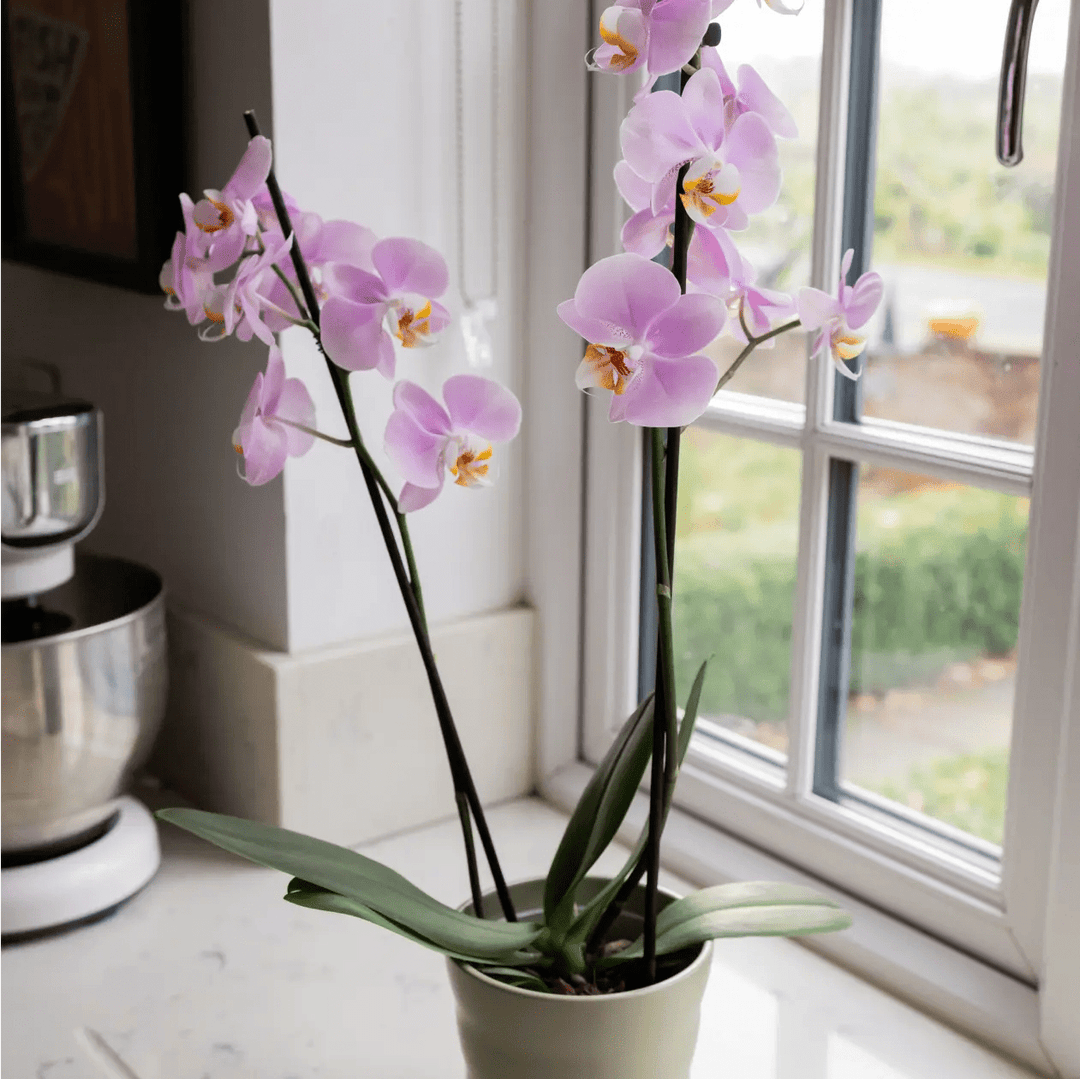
[1013,81]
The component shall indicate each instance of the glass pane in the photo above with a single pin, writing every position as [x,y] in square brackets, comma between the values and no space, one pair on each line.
[787,55]
[962,242]
[938,574]
[738,531]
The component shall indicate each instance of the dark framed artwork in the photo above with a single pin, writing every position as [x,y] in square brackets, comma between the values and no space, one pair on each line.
[93,135]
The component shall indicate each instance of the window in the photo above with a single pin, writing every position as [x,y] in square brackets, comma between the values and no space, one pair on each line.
[883,569]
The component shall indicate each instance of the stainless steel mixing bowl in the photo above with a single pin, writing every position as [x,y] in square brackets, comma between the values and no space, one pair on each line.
[81,707]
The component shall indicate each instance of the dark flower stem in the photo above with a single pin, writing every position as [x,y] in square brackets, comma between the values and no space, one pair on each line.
[664,458]
[464,788]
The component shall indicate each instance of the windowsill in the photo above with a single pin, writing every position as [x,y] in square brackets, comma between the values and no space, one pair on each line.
[207,971]
[937,979]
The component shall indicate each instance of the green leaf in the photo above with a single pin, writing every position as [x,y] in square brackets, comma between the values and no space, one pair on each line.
[521,978]
[305,894]
[748,909]
[349,874]
[590,915]
[599,811]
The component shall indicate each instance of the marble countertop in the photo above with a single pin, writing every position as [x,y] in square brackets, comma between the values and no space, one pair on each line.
[207,974]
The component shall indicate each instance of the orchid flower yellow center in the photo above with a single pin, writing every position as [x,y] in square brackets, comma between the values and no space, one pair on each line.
[224,219]
[848,345]
[714,188]
[471,465]
[627,54]
[612,368]
[410,327]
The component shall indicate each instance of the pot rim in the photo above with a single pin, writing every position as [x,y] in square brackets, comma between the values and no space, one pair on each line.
[157,600]
[703,957]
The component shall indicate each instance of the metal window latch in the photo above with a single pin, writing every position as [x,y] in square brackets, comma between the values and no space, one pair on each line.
[1013,81]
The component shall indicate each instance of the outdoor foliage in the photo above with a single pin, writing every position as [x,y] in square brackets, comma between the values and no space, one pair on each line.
[967,791]
[938,573]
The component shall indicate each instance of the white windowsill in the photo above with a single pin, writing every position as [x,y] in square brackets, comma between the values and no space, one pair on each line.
[209,972]
[936,978]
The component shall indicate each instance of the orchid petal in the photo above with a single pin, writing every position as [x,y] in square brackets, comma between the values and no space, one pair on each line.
[710,264]
[295,404]
[676,30]
[352,283]
[273,381]
[646,233]
[265,448]
[657,136]
[669,393]
[815,307]
[625,37]
[627,291]
[352,333]
[592,330]
[710,58]
[755,96]
[751,148]
[408,265]
[345,241]
[252,171]
[704,100]
[483,407]
[690,324]
[863,299]
[414,498]
[635,191]
[415,452]
[415,402]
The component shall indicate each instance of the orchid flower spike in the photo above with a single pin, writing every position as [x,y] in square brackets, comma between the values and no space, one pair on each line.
[368,310]
[643,340]
[840,317]
[733,172]
[654,36]
[267,433]
[425,441]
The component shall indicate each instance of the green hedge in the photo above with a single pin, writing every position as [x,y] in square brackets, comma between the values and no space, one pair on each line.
[944,585]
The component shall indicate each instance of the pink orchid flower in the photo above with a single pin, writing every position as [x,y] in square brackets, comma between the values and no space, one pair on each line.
[716,266]
[426,441]
[186,281]
[732,173]
[227,219]
[366,310]
[267,433]
[643,340]
[240,306]
[839,317]
[655,36]
[751,95]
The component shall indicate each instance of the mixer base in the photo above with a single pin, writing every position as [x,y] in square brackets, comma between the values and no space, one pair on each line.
[82,885]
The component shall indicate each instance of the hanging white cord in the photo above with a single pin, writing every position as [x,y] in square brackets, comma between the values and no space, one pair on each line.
[477,314]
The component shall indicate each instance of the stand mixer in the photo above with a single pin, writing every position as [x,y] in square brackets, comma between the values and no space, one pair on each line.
[84,679]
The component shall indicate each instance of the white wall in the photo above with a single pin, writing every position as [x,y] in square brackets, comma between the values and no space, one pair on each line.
[170,402]
[364,125]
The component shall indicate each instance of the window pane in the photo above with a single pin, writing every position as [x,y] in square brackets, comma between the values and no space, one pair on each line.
[735,551]
[962,242]
[787,55]
[938,574]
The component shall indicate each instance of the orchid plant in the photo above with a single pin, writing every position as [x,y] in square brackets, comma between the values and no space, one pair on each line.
[697,164]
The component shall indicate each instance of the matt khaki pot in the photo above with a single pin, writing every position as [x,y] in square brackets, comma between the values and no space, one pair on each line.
[512,1033]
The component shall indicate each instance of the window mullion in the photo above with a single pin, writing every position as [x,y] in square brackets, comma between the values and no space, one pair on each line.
[828,218]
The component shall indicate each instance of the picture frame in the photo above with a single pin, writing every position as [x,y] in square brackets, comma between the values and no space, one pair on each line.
[93,98]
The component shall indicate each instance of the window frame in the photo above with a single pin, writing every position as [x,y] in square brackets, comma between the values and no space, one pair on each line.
[953,904]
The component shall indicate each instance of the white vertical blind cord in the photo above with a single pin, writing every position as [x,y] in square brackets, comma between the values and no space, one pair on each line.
[477,313]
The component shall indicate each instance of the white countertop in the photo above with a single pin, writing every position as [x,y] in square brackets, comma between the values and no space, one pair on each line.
[207,974]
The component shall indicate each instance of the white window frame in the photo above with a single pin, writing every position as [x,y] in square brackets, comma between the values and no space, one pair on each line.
[1001,954]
